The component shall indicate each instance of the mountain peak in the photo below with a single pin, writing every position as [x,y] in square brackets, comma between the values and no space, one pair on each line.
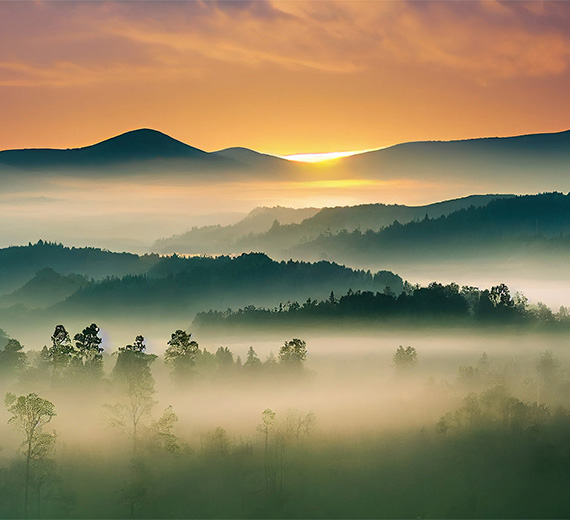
[144,143]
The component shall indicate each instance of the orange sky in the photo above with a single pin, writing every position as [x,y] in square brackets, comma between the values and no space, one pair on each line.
[282,77]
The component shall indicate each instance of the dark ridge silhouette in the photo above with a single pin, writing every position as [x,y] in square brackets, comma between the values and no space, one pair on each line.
[21,263]
[522,158]
[134,146]
[251,157]
[531,223]
[545,154]
[46,288]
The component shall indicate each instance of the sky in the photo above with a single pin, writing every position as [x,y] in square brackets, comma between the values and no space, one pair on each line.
[282,77]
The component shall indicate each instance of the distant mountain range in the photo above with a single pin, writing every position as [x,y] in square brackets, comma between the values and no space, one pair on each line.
[140,150]
[493,157]
[531,232]
[532,163]
[275,230]
[504,236]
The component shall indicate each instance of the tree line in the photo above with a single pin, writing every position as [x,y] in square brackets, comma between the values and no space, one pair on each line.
[484,453]
[431,304]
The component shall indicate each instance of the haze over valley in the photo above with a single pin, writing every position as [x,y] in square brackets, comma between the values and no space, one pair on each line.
[281,259]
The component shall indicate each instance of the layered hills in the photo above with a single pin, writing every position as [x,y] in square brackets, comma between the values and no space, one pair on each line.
[274,231]
[524,160]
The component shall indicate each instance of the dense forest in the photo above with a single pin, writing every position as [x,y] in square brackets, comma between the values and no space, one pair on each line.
[434,305]
[21,263]
[537,224]
[175,284]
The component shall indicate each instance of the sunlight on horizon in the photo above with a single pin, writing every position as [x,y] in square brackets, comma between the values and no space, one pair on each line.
[326,156]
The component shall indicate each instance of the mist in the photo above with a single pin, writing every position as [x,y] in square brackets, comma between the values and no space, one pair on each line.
[351,418]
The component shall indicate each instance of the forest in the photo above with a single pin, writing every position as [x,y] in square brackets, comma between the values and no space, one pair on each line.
[294,429]
[414,306]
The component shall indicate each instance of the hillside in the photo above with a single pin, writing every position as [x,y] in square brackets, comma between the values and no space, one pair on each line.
[137,146]
[46,288]
[274,231]
[178,286]
[536,224]
[21,263]
[526,159]
[219,239]
[536,162]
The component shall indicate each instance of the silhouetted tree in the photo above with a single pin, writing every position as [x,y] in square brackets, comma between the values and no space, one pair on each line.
[88,356]
[293,353]
[266,426]
[252,359]
[405,358]
[31,413]
[12,359]
[160,433]
[132,373]
[61,351]
[181,355]
[224,358]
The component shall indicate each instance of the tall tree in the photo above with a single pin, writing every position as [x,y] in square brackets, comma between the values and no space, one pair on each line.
[88,352]
[266,426]
[31,413]
[181,355]
[132,373]
[12,359]
[252,360]
[61,352]
[293,353]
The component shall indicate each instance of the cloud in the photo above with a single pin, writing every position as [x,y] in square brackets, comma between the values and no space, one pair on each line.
[71,43]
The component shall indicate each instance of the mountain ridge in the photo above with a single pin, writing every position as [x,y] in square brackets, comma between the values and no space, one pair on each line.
[146,143]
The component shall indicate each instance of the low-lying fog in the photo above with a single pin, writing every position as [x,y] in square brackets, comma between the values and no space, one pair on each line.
[351,432]
[349,382]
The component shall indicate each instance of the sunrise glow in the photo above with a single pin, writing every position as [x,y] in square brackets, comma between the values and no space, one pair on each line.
[319,157]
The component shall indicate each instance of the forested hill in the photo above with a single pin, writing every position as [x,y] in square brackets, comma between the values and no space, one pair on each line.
[221,239]
[287,232]
[21,263]
[541,221]
[182,286]
[432,305]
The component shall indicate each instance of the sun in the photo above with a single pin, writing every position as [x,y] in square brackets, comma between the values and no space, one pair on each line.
[318,157]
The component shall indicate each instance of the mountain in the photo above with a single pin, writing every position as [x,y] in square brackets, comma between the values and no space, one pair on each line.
[137,146]
[21,263]
[273,230]
[536,162]
[526,229]
[220,239]
[525,159]
[253,158]
[178,287]
[46,288]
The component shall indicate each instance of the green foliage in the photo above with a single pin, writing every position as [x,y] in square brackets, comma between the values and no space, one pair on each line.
[217,442]
[87,356]
[133,375]
[434,304]
[405,358]
[224,358]
[252,360]
[160,433]
[181,355]
[31,413]
[61,352]
[293,353]
[12,360]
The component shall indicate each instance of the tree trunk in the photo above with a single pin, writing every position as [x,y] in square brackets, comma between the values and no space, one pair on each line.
[27,484]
